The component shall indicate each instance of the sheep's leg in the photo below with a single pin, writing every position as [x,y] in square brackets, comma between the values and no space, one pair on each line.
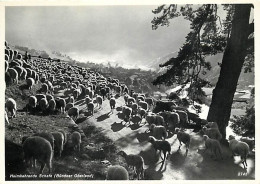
[180,144]
[42,167]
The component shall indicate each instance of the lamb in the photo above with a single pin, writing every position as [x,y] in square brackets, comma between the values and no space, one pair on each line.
[43,104]
[239,148]
[136,161]
[10,104]
[183,137]
[117,172]
[76,140]
[38,148]
[99,100]
[14,75]
[159,132]
[161,145]
[30,82]
[74,112]
[212,133]
[213,145]
[58,141]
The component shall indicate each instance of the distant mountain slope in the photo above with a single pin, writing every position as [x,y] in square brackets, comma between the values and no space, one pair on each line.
[212,76]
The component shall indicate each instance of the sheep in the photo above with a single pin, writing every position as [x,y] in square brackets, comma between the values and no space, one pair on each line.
[6,118]
[130,100]
[212,125]
[58,141]
[112,103]
[183,117]
[68,106]
[183,137]
[99,100]
[212,133]
[154,119]
[134,107]
[38,148]
[142,112]
[159,132]
[213,145]
[143,104]
[43,104]
[52,105]
[49,97]
[136,161]
[171,119]
[14,75]
[76,93]
[76,140]
[30,82]
[64,135]
[239,148]
[161,106]
[127,111]
[126,96]
[19,71]
[87,100]
[39,97]
[44,88]
[161,145]
[117,172]
[48,136]
[62,104]
[74,112]
[24,74]
[10,104]
[32,102]
[71,99]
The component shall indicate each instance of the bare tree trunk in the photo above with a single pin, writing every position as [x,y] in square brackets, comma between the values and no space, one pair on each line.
[231,67]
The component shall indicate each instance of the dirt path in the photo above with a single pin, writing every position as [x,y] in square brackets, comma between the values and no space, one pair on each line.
[197,165]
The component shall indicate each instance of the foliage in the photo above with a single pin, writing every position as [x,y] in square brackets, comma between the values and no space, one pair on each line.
[245,125]
[207,36]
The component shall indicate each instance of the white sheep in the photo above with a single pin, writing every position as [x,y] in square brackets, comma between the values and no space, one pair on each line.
[43,104]
[127,112]
[74,112]
[10,105]
[32,101]
[183,137]
[58,141]
[13,74]
[91,107]
[213,145]
[117,172]
[38,148]
[136,161]
[30,82]
[161,145]
[99,100]
[239,148]
[52,105]
[212,133]
[68,106]
[76,140]
[159,131]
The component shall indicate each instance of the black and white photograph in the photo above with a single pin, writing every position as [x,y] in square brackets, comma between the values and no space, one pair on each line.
[158,91]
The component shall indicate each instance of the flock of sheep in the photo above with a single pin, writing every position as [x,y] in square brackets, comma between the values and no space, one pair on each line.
[80,83]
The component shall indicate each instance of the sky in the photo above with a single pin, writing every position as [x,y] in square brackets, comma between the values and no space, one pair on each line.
[121,34]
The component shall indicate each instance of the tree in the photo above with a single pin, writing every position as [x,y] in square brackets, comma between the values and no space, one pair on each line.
[232,63]
[207,37]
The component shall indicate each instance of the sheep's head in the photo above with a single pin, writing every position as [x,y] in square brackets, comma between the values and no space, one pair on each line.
[152,127]
[177,130]
[204,129]
[151,139]
[205,137]
[121,153]
[231,137]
